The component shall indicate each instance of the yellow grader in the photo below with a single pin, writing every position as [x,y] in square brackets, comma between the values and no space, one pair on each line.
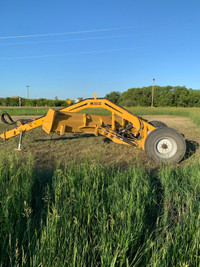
[161,143]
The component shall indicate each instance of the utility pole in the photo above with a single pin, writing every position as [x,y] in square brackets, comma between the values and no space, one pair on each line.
[152,93]
[28,90]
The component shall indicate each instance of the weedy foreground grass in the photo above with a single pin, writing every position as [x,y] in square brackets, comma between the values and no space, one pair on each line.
[89,215]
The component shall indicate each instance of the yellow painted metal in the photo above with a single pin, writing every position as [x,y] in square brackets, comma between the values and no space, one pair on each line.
[69,101]
[26,127]
[48,121]
[69,120]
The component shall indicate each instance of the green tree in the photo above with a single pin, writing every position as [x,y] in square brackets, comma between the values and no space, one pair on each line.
[181,98]
[113,96]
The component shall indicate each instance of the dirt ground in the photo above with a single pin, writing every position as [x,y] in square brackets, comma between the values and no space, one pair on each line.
[48,150]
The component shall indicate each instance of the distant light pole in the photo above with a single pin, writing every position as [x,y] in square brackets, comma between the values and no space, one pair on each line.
[152,93]
[28,90]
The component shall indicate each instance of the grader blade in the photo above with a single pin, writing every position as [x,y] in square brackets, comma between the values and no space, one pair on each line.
[161,144]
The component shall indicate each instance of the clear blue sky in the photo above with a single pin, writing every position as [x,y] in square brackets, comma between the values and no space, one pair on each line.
[143,39]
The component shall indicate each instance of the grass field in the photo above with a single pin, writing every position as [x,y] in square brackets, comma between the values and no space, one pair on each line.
[16,111]
[89,215]
[77,201]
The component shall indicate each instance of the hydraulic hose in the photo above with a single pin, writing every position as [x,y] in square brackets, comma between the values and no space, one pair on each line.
[6,118]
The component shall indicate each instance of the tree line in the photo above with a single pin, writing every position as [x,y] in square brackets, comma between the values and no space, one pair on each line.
[164,96]
[41,102]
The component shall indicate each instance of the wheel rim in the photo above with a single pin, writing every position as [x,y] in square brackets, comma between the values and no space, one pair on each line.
[165,147]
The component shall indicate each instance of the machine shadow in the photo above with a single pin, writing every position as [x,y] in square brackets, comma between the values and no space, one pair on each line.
[76,136]
[153,213]
[191,148]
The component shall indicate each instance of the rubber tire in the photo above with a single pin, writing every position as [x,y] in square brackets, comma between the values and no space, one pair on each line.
[158,124]
[165,132]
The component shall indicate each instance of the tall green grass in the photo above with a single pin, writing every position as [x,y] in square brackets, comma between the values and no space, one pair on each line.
[89,215]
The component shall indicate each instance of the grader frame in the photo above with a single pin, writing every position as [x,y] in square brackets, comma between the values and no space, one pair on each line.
[121,126]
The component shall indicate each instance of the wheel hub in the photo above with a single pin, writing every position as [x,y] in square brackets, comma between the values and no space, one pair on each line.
[165,147]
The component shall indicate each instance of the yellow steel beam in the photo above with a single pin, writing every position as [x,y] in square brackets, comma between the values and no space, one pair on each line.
[106,104]
[48,121]
[26,127]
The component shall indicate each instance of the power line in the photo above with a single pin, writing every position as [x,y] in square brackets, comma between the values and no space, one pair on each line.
[66,33]
[71,39]
[71,54]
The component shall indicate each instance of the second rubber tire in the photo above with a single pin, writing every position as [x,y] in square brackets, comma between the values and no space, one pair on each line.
[158,124]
